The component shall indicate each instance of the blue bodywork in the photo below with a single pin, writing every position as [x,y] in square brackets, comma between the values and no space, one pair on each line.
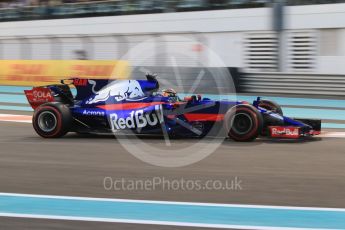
[103,106]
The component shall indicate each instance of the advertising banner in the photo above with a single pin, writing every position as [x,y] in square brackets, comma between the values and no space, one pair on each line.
[43,72]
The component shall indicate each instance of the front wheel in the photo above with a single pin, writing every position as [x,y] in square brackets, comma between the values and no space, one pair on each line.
[52,120]
[243,123]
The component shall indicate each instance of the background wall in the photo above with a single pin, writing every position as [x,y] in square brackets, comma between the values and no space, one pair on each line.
[313,39]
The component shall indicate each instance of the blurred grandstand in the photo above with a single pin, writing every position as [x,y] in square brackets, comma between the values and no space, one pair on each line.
[54,9]
[296,49]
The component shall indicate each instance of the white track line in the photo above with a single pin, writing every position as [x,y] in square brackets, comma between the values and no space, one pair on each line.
[82,198]
[333,134]
[16,118]
[155,222]
[151,222]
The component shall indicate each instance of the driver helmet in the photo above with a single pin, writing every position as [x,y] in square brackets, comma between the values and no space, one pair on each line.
[169,93]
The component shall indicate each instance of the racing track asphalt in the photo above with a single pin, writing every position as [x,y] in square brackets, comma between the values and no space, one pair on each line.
[307,173]
[35,224]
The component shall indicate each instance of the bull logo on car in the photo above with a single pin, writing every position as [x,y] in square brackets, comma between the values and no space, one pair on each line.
[117,90]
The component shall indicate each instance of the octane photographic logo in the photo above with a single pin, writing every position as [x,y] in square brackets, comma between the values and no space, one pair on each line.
[191,68]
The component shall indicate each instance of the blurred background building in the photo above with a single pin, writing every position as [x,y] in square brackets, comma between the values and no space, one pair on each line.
[254,35]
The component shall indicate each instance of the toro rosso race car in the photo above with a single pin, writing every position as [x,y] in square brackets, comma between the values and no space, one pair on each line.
[137,106]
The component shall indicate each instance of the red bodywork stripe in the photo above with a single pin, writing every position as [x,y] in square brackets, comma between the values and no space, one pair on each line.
[189,116]
[128,106]
[204,117]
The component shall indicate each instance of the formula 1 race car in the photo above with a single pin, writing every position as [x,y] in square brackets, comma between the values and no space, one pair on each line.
[137,107]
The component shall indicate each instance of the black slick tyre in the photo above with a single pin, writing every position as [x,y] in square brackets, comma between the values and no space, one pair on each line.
[52,120]
[243,123]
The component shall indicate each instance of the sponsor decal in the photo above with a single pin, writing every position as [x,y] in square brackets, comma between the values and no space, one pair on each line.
[287,132]
[41,94]
[38,96]
[137,119]
[80,82]
[119,90]
[87,112]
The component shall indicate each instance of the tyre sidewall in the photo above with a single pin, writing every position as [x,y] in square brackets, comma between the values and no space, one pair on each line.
[256,120]
[63,119]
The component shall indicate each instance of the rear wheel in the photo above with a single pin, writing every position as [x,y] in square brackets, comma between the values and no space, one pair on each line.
[52,120]
[243,123]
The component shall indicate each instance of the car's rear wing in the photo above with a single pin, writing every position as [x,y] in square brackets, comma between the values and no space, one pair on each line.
[38,96]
